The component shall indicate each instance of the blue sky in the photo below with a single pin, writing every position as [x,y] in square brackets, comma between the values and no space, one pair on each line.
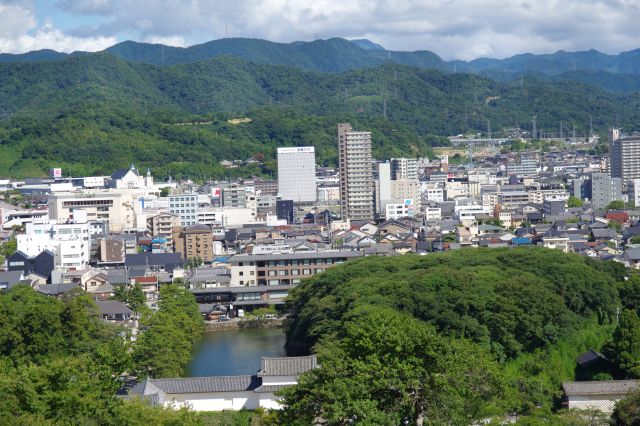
[455,29]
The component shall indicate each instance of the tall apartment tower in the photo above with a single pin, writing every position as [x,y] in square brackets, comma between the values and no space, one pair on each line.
[356,174]
[625,156]
[297,174]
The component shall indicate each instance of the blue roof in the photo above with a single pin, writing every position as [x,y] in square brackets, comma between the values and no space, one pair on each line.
[521,241]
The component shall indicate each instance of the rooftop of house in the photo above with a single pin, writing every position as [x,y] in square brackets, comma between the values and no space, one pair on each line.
[604,387]
[112,307]
[287,366]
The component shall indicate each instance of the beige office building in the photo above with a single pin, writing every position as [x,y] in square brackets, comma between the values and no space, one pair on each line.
[195,241]
[161,226]
[117,208]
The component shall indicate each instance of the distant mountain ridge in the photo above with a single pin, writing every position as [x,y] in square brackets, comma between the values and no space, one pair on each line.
[92,113]
[338,54]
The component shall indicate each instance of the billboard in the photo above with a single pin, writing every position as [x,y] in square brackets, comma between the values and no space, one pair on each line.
[56,172]
[409,207]
[215,192]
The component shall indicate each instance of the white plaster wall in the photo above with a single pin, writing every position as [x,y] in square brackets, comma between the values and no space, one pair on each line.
[279,380]
[215,401]
[604,403]
[269,401]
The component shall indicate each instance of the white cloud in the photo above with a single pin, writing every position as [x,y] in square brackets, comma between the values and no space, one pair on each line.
[463,29]
[177,41]
[22,34]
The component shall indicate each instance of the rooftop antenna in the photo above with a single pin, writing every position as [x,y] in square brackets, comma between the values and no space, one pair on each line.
[384,106]
[475,92]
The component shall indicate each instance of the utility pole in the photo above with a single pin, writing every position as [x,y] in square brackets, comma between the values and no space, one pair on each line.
[384,106]
[534,131]
[489,128]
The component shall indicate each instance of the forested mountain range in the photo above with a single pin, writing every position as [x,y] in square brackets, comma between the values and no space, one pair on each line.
[338,55]
[92,113]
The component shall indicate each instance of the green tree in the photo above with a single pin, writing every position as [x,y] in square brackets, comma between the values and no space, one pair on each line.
[194,262]
[387,368]
[574,202]
[9,247]
[164,192]
[627,411]
[629,291]
[635,239]
[624,350]
[164,348]
[615,205]
[132,296]
[614,224]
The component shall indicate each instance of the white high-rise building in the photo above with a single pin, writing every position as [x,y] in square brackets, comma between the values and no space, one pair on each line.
[186,207]
[356,175]
[625,156]
[384,186]
[297,174]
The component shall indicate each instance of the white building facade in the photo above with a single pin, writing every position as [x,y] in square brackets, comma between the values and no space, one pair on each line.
[297,174]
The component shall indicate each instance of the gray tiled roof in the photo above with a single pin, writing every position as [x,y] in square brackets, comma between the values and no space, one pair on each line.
[107,307]
[206,384]
[55,289]
[605,387]
[284,366]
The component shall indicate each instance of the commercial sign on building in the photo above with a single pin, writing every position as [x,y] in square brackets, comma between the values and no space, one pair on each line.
[296,149]
[409,207]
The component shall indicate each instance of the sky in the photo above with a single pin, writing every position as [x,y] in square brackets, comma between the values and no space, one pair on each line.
[454,29]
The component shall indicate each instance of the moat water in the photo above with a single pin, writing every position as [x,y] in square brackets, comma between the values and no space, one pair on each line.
[235,352]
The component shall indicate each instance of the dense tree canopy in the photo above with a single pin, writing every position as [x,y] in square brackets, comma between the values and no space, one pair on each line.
[532,310]
[508,300]
[164,347]
[624,350]
[388,368]
[61,365]
[627,411]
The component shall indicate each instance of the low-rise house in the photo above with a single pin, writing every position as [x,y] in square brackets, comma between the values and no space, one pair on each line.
[112,310]
[248,392]
[632,257]
[9,279]
[56,290]
[600,395]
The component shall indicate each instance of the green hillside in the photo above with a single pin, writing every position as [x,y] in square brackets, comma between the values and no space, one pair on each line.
[96,112]
[532,310]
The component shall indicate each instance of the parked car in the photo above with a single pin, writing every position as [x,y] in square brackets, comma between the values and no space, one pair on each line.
[224,318]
